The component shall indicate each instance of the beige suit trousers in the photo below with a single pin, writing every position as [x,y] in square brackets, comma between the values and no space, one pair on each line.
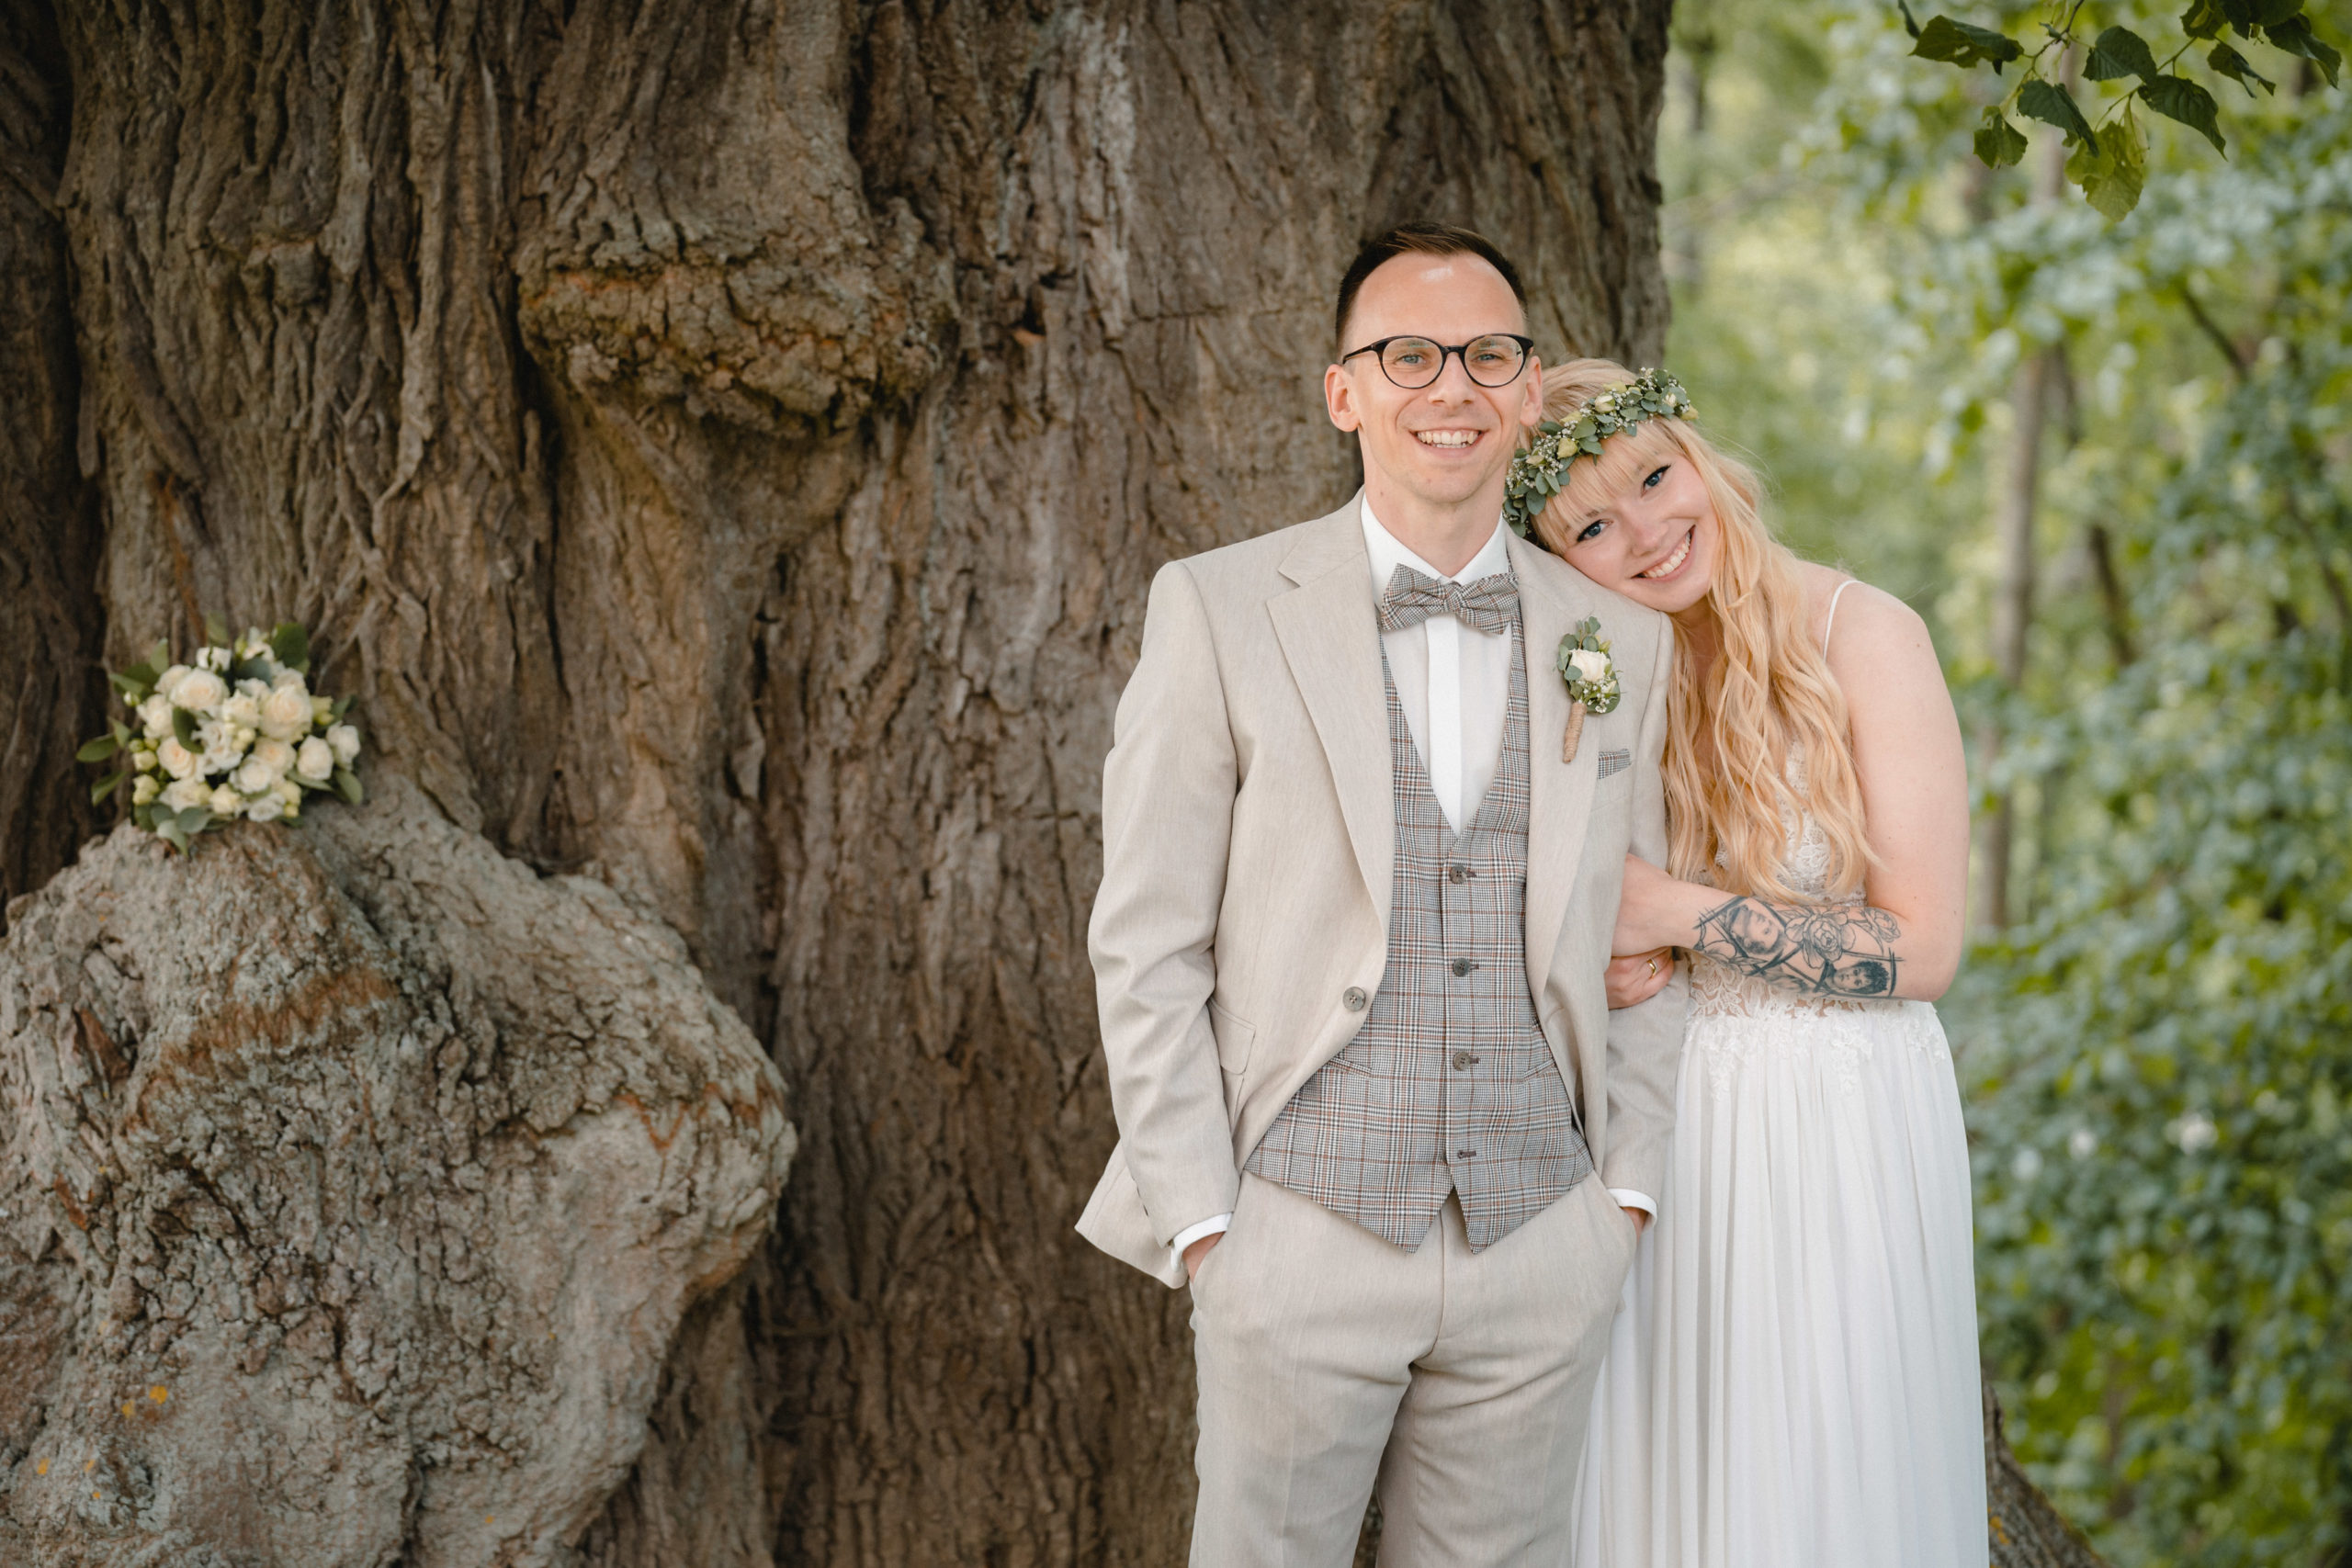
[1459,1383]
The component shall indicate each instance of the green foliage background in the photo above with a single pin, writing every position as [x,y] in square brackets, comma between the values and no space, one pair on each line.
[2157,1054]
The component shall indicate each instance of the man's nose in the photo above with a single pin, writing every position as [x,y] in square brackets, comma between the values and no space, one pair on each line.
[1452,384]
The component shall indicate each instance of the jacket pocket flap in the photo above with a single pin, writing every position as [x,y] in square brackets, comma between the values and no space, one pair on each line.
[1234,1038]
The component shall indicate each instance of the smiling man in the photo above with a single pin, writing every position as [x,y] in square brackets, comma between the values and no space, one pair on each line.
[1349,946]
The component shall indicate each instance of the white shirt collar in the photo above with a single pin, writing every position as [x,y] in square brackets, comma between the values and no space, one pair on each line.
[1388,553]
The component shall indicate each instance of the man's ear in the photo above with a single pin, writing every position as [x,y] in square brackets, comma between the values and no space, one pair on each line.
[1340,398]
[1531,413]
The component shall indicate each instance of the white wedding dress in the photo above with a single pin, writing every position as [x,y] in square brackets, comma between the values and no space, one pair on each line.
[1793,1378]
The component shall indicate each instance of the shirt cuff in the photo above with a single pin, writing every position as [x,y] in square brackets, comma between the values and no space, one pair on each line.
[1213,1225]
[1626,1199]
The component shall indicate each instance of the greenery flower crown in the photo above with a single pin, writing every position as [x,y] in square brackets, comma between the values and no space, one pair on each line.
[1539,470]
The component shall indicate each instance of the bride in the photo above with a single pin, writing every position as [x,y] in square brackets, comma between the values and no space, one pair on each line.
[1792,1381]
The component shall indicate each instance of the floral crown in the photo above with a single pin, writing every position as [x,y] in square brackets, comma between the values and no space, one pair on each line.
[1541,467]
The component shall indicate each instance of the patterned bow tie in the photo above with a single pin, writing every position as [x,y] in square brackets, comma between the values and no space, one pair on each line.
[1489,604]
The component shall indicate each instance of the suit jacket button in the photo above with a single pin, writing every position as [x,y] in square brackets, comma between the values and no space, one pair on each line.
[1354,998]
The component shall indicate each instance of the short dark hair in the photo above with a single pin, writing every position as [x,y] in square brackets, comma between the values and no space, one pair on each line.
[1419,239]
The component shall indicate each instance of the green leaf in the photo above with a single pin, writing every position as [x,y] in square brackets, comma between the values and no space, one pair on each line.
[216,631]
[341,706]
[1908,25]
[1960,43]
[145,673]
[97,751]
[1998,142]
[2228,62]
[2051,105]
[183,726]
[290,644]
[105,786]
[2178,97]
[169,829]
[2119,53]
[347,784]
[2295,37]
[2204,18]
[144,816]
[2112,173]
[2245,14]
[128,687]
[194,819]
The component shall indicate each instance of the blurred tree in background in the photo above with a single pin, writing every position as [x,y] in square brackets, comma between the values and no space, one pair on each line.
[2111,462]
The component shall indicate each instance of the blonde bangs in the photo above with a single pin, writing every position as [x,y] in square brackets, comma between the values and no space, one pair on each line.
[1769,694]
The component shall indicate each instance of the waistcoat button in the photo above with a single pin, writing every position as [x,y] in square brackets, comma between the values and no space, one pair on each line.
[1463,1061]
[1462,967]
[1457,873]
[1354,998]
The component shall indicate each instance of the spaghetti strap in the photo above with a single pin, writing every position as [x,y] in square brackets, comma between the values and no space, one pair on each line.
[1831,619]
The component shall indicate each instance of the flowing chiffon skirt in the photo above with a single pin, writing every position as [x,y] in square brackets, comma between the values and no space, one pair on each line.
[1793,1378]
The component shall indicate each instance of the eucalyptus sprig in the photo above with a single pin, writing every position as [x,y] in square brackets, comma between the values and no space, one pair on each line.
[2109,159]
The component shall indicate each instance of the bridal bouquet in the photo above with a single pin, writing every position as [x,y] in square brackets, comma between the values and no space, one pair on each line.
[234,732]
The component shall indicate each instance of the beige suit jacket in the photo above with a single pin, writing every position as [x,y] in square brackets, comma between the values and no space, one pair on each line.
[1248,840]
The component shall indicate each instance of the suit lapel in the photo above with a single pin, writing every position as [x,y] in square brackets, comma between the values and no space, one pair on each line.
[1559,795]
[1330,639]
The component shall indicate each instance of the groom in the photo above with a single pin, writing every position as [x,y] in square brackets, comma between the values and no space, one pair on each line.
[1348,949]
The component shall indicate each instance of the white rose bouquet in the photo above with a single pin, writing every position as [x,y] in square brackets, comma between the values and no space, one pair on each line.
[234,732]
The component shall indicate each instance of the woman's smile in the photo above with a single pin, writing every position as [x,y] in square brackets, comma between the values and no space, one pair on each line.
[1674,561]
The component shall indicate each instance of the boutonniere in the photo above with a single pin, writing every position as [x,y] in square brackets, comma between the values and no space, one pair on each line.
[1583,663]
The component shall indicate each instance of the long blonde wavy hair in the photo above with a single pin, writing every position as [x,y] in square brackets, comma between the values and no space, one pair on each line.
[1768,689]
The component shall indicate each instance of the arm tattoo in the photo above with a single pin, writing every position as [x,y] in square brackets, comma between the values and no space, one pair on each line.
[1830,951]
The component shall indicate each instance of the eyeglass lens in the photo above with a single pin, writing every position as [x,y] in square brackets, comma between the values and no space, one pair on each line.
[1414,362]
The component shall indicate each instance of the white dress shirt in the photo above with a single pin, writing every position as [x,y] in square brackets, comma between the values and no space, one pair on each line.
[1454,686]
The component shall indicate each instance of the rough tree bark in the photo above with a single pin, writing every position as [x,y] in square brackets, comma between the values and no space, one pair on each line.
[724,447]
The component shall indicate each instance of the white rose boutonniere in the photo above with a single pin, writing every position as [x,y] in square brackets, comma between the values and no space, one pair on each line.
[236,731]
[1583,662]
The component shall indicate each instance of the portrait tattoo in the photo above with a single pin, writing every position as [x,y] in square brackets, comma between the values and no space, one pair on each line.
[1830,951]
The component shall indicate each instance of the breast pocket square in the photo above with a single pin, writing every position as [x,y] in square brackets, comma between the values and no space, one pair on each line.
[1615,762]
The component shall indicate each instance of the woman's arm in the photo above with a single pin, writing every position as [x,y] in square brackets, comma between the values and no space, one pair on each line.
[1906,941]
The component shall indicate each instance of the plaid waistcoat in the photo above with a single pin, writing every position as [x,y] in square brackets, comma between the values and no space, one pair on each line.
[1449,1086]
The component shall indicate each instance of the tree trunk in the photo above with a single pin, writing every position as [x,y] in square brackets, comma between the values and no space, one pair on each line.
[724,447]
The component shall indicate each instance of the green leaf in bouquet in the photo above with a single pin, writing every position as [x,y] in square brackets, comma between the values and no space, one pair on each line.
[346,783]
[1999,143]
[106,785]
[2052,104]
[183,726]
[2228,62]
[144,816]
[121,733]
[309,783]
[168,829]
[97,751]
[216,631]
[128,686]
[1962,43]
[2178,97]
[290,645]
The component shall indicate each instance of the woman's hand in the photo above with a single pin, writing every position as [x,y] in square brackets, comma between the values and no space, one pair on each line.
[1636,977]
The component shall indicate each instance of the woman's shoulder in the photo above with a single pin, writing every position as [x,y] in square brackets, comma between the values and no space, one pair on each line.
[1848,617]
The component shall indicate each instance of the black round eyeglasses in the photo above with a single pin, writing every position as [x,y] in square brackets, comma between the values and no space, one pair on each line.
[1494,360]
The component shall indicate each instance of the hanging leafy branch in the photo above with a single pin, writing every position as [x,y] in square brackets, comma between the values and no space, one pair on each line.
[2110,160]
